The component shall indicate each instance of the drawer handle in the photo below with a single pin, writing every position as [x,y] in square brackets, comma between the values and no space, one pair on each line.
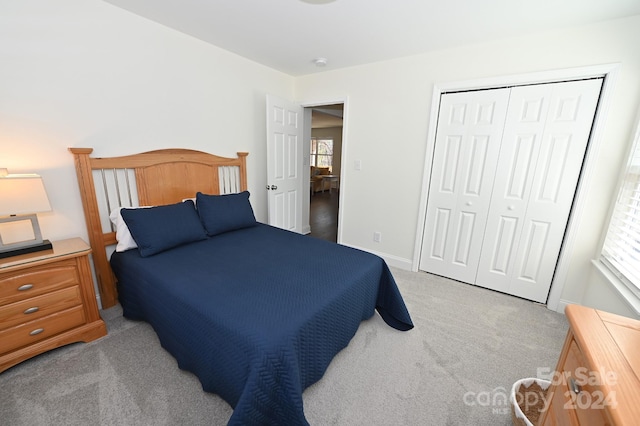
[25,287]
[31,310]
[36,331]
[575,387]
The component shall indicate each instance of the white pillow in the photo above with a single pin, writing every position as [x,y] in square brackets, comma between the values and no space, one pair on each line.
[123,236]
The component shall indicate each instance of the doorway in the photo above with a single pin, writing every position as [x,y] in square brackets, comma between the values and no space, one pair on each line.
[325,164]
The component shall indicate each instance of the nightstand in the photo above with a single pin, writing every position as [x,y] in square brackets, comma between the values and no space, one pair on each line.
[47,300]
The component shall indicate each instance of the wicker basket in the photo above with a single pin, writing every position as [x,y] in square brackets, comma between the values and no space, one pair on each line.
[517,416]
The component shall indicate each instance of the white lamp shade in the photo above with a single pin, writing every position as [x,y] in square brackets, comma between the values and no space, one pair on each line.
[22,194]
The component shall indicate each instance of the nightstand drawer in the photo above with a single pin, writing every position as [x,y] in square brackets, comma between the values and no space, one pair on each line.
[39,306]
[47,300]
[40,329]
[25,284]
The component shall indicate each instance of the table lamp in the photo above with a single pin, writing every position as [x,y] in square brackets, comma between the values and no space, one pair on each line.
[21,197]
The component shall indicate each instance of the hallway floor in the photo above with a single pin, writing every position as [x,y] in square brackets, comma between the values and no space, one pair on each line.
[323,215]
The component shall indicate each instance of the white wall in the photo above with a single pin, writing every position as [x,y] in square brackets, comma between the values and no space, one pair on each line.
[388,116]
[83,73]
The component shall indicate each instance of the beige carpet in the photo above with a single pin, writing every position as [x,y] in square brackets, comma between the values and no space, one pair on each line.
[455,367]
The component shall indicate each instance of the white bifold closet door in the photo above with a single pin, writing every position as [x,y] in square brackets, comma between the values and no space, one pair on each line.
[470,127]
[505,170]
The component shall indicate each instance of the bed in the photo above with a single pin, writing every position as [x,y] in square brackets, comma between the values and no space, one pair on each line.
[257,313]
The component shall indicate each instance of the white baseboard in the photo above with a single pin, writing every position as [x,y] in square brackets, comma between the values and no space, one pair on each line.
[563,304]
[395,261]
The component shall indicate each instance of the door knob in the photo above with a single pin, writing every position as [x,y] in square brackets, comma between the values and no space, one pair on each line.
[511,207]
[274,187]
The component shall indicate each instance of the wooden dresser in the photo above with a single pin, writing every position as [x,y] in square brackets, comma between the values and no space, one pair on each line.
[597,380]
[47,300]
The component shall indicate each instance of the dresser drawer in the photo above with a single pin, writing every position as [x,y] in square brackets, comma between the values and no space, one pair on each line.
[40,329]
[560,415]
[582,393]
[21,285]
[39,306]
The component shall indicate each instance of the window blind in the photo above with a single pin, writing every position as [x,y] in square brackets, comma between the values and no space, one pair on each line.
[621,250]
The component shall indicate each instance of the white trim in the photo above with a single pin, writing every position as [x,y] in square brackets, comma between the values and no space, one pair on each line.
[562,304]
[531,78]
[306,171]
[632,301]
[426,175]
[610,73]
[391,260]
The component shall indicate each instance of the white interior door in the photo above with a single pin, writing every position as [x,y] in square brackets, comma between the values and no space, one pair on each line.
[545,139]
[284,163]
[470,126]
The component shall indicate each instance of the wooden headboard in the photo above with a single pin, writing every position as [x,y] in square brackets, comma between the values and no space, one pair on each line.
[151,178]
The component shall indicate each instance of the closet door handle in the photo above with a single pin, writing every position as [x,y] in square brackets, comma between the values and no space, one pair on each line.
[511,208]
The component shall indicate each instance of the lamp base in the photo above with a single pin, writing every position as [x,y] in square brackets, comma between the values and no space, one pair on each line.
[45,245]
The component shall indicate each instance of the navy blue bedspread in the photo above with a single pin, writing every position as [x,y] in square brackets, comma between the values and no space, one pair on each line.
[259,313]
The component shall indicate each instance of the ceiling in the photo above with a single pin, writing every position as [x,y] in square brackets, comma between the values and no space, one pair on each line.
[288,35]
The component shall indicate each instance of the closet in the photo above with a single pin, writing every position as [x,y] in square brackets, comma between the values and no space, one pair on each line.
[505,169]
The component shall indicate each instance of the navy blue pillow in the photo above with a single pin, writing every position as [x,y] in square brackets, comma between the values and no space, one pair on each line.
[161,228]
[223,213]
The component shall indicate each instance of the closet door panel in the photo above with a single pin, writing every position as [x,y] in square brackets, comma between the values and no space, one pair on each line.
[559,124]
[564,143]
[465,156]
[504,242]
[520,148]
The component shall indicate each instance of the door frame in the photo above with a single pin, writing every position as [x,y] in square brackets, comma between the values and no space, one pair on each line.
[344,182]
[610,73]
